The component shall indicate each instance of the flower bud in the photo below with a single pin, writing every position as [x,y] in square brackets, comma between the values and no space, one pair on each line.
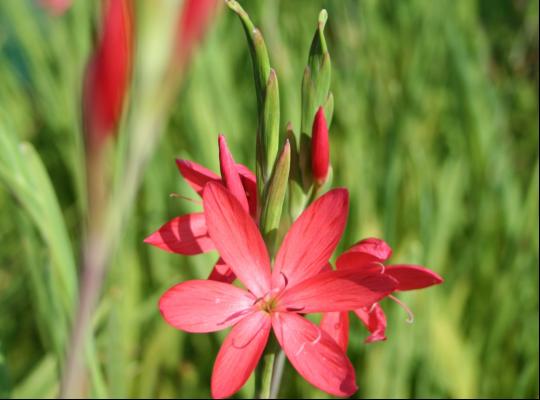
[320,152]
[108,72]
[195,18]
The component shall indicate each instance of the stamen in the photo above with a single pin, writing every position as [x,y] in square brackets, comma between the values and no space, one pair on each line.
[409,312]
[179,196]
[285,279]
[236,315]
[383,267]
[295,309]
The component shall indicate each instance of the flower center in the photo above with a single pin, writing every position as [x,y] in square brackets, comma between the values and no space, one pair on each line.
[268,303]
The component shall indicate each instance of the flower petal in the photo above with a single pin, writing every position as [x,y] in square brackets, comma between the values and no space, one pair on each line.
[186,235]
[411,277]
[314,354]
[250,186]
[364,253]
[239,354]
[312,238]
[196,175]
[237,239]
[343,290]
[229,173]
[375,321]
[222,272]
[336,324]
[204,306]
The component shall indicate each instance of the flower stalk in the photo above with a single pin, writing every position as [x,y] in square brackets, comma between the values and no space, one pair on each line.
[266,370]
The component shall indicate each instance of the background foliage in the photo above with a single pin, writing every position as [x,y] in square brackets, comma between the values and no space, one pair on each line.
[435,133]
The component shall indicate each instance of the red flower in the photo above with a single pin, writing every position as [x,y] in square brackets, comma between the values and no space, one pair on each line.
[275,298]
[194,19]
[188,234]
[368,255]
[108,72]
[320,151]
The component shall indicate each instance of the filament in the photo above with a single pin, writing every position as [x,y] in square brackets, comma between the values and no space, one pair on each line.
[182,197]
[410,318]
[383,267]
[237,314]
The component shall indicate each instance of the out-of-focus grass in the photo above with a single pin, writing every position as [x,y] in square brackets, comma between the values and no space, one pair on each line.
[435,134]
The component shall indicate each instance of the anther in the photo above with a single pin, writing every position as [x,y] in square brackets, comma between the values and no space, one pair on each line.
[179,196]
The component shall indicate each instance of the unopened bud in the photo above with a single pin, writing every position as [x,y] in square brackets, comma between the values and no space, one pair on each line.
[320,151]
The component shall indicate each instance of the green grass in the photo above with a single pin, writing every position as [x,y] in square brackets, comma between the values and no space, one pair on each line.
[435,133]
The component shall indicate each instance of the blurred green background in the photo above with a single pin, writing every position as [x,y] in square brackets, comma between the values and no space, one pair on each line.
[435,133]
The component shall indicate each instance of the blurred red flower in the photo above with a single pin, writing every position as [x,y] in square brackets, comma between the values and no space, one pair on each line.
[108,71]
[194,20]
[55,7]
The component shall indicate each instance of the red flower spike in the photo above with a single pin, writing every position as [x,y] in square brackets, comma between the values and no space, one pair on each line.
[320,149]
[369,255]
[271,303]
[108,72]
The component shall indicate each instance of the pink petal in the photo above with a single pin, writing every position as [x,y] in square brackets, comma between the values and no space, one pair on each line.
[237,238]
[375,321]
[204,306]
[250,186]
[186,235]
[312,238]
[222,272]
[196,175]
[336,291]
[229,173]
[411,277]
[314,354]
[336,324]
[364,253]
[240,354]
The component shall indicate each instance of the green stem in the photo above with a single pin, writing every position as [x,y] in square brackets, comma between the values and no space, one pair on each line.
[264,373]
[279,364]
[269,373]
